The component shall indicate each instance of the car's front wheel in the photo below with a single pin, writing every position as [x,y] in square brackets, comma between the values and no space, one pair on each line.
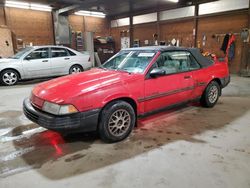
[9,77]
[211,95]
[75,69]
[117,121]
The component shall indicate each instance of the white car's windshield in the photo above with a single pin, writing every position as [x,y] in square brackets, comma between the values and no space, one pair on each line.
[19,54]
[132,61]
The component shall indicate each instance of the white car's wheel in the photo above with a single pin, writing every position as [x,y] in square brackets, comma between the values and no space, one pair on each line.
[9,77]
[75,69]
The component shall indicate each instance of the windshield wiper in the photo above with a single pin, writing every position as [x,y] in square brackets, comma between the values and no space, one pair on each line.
[102,67]
[122,70]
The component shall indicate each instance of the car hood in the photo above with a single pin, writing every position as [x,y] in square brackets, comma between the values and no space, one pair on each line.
[63,89]
[7,60]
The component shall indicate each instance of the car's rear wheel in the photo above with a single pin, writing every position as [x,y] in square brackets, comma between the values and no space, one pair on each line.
[116,122]
[211,95]
[9,77]
[75,69]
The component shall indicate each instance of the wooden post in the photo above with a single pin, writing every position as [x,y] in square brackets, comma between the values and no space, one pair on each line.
[158,27]
[4,15]
[248,46]
[53,27]
[245,54]
[131,31]
[196,23]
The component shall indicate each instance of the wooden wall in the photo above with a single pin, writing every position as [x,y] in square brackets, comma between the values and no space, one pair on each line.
[76,23]
[30,26]
[116,34]
[145,32]
[2,21]
[183,30]
[99,26]
[37,26]
[222,25]
[6,46]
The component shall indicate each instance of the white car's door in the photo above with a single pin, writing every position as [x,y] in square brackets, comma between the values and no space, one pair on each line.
[60,61]
[37,64]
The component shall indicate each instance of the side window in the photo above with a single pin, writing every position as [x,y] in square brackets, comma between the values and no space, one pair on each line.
[71,53]
[194,65]
[176,62]
[42,53]
[168,63]
[59,52]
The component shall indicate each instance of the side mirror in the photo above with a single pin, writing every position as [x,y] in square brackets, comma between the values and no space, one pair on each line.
[28,57]
[157,72]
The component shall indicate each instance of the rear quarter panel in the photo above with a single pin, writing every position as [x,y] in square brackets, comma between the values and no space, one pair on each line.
[204,76]
[83,60]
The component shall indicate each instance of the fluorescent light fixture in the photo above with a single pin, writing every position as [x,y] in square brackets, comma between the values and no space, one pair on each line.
[40,7]
[90,13]
[17,4]
[24,5]
[173,1]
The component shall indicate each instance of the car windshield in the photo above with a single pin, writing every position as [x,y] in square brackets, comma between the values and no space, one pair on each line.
[19,54]
[130,61]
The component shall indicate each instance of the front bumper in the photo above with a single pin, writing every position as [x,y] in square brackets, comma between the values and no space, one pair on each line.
[78,122]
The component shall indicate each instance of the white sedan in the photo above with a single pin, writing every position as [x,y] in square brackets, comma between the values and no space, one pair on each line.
[42,61]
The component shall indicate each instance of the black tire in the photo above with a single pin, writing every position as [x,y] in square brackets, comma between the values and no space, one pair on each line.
[75,69]
[211,95]
[110,126]
[13,77]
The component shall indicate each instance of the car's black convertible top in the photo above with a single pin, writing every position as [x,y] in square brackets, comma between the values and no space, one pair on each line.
[203,61]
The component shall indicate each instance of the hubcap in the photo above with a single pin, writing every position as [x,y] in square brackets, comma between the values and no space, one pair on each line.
[75,70]
[119,122]
[213,94]
[10,78]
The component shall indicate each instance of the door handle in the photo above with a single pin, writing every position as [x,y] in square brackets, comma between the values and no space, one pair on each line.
[67,58]
[187,77]
[45,61]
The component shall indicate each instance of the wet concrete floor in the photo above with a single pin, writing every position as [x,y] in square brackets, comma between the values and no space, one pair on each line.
[26,148]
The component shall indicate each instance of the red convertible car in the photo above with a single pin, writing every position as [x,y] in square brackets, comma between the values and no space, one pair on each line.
[135,82]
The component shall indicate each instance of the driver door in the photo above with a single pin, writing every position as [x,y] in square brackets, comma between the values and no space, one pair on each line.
[37,64]
[175,87]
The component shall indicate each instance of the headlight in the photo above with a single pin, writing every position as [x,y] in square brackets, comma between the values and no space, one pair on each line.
[58,109]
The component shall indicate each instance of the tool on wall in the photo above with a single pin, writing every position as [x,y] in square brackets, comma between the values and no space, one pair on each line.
[228,46]
[136,43]
[245,60]
[155,37]
[204,40]
[79,41]
[218,36]
[245,34]
[125,39]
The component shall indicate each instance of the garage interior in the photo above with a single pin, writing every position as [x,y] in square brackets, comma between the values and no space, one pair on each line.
[187,147]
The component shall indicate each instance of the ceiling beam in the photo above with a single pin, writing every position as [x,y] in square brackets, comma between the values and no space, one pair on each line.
[67,9]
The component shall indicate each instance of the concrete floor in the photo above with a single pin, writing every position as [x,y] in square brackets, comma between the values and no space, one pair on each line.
[188,147]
